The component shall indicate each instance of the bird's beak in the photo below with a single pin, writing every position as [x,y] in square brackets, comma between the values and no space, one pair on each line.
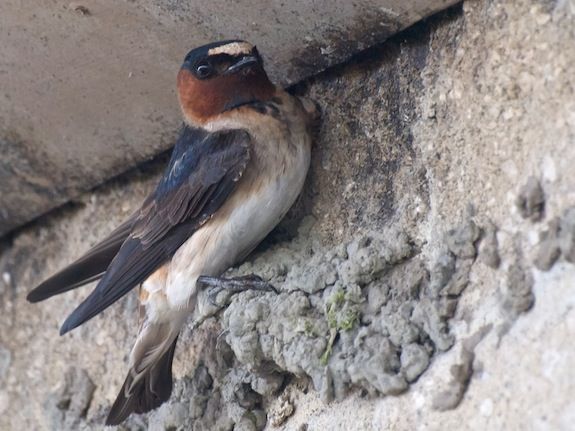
[245,61]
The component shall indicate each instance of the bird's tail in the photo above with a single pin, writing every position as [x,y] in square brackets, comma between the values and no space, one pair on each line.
[149,381]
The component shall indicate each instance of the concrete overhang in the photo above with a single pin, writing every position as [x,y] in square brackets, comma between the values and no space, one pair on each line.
[87,89]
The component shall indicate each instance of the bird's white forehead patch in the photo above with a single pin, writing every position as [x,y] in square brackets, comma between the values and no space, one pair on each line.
[234,48]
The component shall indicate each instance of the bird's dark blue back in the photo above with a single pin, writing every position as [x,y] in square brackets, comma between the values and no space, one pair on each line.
[185,157]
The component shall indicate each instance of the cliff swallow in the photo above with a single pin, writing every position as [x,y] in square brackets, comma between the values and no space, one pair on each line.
[237,167]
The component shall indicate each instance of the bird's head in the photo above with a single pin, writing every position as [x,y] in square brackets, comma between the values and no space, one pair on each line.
[219,77]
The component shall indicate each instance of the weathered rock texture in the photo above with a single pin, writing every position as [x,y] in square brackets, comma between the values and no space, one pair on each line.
[425,277]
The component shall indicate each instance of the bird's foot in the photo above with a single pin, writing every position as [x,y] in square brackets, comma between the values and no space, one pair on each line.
[233,285]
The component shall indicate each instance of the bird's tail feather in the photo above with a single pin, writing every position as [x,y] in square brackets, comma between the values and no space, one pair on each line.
[149,381]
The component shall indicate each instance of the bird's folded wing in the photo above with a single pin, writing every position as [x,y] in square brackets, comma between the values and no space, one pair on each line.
[90,267]
[202,172]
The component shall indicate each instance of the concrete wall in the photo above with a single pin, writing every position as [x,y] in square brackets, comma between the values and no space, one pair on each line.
[434,245]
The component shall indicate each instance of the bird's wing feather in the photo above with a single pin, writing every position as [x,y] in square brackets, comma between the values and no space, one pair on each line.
[202,173]
[90,267]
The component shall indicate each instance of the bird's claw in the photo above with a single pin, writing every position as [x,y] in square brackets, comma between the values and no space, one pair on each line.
[233,285]
[213,296]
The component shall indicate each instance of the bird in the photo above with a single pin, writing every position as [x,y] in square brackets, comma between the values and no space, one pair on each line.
[238,165]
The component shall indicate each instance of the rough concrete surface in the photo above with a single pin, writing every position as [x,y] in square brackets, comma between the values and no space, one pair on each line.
[88,87]
[425,276]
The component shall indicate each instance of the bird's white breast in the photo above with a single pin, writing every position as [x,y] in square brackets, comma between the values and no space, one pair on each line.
[250,221]
[263,197]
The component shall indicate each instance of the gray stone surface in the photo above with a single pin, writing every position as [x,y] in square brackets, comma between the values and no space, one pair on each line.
[88,87]
[387,306]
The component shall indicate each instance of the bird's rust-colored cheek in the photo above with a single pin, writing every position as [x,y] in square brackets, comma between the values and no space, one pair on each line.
[200,99]
[203,99]
[191,96]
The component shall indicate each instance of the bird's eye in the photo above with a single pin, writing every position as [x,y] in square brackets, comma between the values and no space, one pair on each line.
[204,70]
